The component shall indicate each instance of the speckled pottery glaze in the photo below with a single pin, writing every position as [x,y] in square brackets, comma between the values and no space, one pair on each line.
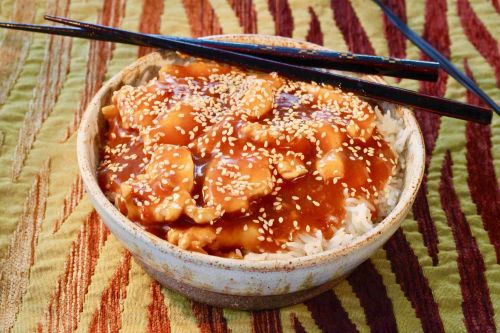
[230,282]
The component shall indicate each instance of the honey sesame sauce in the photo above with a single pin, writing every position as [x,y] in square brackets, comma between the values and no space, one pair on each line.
[223,161]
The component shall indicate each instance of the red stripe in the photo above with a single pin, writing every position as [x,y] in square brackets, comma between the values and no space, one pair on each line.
[297,326]
[436,33]
[314,35]
[496,4]
[329,314]
[395,39]
[246,13]
[476,305]
[413,283]
[373,298]
[202,18]
[152,10]
[352,30]
[479,36]
[267,321]
[209,318]
[282,15]
[481,178]
[158,320]
[108,316]
[99,55]
[66,302]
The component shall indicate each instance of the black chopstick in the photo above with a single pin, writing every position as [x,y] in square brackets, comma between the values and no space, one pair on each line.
[437,56]
[434,104]
[361,63]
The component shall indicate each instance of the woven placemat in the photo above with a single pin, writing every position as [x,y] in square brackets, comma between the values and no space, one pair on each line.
[61,270]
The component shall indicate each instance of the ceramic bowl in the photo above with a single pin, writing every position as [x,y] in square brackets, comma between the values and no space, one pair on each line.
[226,282]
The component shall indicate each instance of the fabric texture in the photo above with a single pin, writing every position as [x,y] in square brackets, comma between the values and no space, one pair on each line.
[62,271]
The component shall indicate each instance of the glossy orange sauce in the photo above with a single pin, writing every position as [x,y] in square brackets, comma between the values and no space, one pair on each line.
[302,204]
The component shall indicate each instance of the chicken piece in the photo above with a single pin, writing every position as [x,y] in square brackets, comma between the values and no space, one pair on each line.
[202,215]
[259,96]
[162,192]
[258,132]
[171,208]
[290,167]
[203,238]
[324,94]
[177,126]
[329,137]
[195,69]
[139,106]
[232,181]
[173,166]
[110,111]
[362,128]
[192,239]
[331,165]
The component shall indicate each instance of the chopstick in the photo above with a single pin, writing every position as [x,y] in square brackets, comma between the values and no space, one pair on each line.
[434,104]
[437,56]
[362,63]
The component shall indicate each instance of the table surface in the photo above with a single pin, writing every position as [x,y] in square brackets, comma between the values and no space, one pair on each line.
[60,269]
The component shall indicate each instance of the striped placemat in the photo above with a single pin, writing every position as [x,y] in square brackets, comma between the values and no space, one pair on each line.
[61,270]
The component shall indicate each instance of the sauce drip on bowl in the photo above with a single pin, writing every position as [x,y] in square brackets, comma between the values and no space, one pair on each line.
[223,161]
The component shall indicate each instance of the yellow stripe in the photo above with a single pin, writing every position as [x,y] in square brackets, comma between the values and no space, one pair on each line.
[372,24]
[302,314]
[332,37]
[300,16]
[449,296]
[238,321]
[180,312]
[227,17]
[123,54]
[265,21]
[109,259]
[135,306]
[415,13]
[351,304]
[49,265]
[403,311]
[482,10]
[174,20]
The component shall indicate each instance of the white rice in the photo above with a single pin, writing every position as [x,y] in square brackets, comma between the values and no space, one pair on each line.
[358,219]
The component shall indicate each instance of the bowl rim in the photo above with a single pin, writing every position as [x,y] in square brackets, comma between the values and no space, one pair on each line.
[99,200]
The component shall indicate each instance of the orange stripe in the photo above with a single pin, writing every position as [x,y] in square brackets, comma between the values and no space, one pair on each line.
[53,72]
[202,18]
[107,317]
[209,318]
[314,35]
[15,46]
[66,302]
[152,10]
[99,55]
[267,321]
[282,15]
[247,16]
[70,202]
[16,265]
[158,320]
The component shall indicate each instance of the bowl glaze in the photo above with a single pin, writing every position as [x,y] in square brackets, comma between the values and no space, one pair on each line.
[230,282]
